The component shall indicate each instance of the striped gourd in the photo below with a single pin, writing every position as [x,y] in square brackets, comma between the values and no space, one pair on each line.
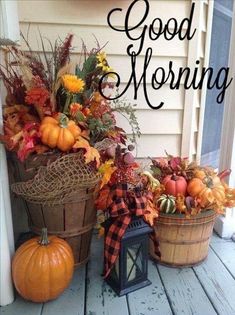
[166,203]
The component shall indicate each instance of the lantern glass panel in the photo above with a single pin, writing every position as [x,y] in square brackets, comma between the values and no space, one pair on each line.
[134,268]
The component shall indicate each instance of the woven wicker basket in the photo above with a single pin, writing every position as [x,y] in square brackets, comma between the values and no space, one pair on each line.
[183,242]
[73,221]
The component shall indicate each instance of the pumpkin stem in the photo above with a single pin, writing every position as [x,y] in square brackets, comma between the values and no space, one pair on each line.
[63,121]
[209,182]
[44,238]
[174,177]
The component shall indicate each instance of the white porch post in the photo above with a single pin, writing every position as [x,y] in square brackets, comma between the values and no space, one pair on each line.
[9,34]
[225,225]
[6,232]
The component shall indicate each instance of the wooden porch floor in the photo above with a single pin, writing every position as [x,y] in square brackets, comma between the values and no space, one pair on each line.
[207,289]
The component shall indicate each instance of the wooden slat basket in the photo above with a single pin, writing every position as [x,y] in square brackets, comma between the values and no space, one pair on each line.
[183,242]
[73,221]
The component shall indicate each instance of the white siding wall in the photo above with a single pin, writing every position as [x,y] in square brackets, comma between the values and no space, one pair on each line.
[174,128]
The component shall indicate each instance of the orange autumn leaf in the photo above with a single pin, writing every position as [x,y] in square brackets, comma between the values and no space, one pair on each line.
[158,191]
[150,217]
[107,169]
[91,155]
[151,213]
[104,199]
[180,204]
[81,143]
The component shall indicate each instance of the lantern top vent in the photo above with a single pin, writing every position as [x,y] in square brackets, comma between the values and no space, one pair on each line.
[137,227]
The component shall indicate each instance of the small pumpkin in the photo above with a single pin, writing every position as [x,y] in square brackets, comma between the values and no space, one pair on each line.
[59,132]
[207,190]
[42,268]
[166,203]
[175,185]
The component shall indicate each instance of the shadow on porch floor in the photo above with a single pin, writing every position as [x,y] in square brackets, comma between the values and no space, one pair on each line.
[207,289]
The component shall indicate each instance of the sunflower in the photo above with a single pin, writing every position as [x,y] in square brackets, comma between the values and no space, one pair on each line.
[72,83]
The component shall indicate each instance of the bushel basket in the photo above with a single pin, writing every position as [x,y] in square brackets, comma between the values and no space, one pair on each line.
[183,241]
[59,194]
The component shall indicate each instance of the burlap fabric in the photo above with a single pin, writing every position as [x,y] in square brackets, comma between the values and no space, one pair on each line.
[58,182]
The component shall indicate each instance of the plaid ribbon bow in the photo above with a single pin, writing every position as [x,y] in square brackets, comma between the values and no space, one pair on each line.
[125,203]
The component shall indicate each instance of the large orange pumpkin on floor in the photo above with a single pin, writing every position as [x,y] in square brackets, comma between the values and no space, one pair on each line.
[59,132]
[175,185]
[208,189]
[42,268]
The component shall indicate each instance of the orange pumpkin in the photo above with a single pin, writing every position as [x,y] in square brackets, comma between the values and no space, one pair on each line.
[59,132]
[175,185]
[207,189]
[42,268]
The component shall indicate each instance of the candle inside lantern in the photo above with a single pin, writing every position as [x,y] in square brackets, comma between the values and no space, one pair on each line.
[131,268]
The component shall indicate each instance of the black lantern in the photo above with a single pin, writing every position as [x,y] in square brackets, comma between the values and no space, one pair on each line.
[131,268]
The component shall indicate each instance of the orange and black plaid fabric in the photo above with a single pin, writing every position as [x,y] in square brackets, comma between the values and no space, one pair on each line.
[125,203]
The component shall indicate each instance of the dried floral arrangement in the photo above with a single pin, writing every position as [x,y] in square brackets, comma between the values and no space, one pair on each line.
[52,105]
[121,174]
[188,188]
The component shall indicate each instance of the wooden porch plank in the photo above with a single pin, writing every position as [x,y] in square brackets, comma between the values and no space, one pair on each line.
[226,253]
[218,283]
[21,307]
[151,299]
[185,292]
[72,301]
[215,238]
[101,300]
